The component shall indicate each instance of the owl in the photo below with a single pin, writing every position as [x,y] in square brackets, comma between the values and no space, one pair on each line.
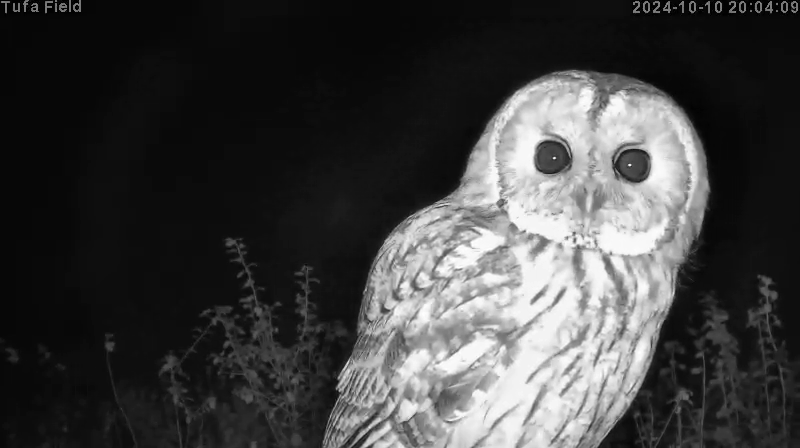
[523,309]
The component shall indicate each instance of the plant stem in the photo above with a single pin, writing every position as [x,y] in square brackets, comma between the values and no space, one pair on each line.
[116,398]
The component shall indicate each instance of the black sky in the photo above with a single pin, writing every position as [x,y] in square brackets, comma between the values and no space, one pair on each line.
[134,148]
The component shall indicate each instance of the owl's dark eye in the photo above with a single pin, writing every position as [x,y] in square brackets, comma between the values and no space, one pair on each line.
[552,157]
[633,165]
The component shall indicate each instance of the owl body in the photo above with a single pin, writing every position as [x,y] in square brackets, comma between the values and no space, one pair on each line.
[523,310]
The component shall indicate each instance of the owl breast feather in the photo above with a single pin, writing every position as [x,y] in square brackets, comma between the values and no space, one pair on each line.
[473,333]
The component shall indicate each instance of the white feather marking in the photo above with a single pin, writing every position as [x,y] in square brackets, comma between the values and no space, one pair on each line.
[614,241]
[416,362]
[467,255]
[595,269]
[586,98]
[487,241]
[617,105]
[405,410]
[466,356]
[551,228]
[607,238]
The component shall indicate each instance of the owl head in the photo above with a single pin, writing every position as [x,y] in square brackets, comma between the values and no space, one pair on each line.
[592,160]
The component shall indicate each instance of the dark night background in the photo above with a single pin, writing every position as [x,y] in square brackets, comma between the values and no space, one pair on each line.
[134,146]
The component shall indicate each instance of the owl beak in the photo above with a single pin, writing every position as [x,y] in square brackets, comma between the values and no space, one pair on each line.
[589,200]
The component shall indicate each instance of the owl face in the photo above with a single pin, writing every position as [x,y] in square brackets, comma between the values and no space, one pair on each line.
[596,161]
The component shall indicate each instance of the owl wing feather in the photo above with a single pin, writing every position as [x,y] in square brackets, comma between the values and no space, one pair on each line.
[431,329]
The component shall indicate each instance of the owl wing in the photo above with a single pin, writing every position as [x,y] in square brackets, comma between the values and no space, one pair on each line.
[434,317]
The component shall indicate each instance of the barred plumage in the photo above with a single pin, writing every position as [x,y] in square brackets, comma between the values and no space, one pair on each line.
[523,310]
